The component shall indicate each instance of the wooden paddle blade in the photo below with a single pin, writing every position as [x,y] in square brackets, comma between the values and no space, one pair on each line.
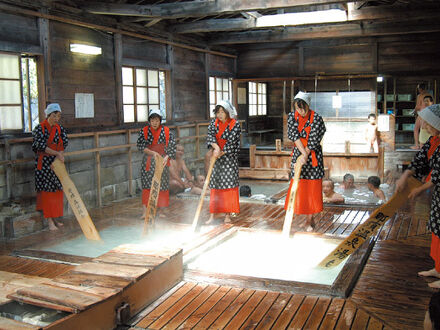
[370,227]
[75,201]
[291,199]
[195,224]
[150,213]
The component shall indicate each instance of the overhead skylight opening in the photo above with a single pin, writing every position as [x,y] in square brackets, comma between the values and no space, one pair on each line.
[313,17]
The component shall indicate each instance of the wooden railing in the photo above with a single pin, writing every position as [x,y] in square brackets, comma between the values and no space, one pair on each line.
[11,163]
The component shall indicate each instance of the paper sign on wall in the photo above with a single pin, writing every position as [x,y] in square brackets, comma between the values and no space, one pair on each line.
[84,105]
[383,123]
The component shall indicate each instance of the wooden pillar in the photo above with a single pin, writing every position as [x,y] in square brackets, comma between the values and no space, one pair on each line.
[207,85]
[197,151]
[9,179]
[117,45]
[98,171]
[130,168]
[45,63]
[170,60]
[252,151]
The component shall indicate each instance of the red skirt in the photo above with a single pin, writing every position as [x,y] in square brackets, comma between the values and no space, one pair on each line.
[308,197]
[435,251]
[163,201]
[51,203]
[224,201]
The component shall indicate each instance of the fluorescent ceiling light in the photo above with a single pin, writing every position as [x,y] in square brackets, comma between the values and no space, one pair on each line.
[313,17]
[85,49]
[379,79]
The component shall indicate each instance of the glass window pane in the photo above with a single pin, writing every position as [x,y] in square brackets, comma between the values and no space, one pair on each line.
[141,95]
[10,92]
[127,76]
[127,95]
[219,97]
[141,77]
[264,109]
[263,89]
[225,84]
[211,83]
[153,79]
[153,95]
[212,97]
[128,113]
[251,87]
[9,67]
[10,118]
[219,84]
[162,98]
[142,113]
[254,98]
[225,96]
[260,88]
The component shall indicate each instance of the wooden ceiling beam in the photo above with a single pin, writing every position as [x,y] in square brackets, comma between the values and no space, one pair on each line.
[197,8]
[369,14]
[327,32]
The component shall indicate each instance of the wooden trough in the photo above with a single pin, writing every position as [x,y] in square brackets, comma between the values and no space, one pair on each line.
[101,293]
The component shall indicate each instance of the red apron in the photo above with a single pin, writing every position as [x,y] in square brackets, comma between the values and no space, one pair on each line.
[54,146]
[309,192]
[224,200]
[51,203]
[164,195]
[435,142]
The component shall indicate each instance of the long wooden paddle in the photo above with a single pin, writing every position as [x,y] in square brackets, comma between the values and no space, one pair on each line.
[75,201]
[195,224]
[150,213]
[370,227]
[291,199]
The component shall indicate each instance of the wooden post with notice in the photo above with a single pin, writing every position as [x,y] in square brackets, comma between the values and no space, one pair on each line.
[75,201]
[150,214]
[195,224]
[291,199]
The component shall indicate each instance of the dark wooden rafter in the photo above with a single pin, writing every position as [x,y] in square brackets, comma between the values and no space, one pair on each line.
[198,8]
[326,31]
[369,14]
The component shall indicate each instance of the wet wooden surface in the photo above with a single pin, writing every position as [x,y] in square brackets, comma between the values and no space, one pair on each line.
[388,292]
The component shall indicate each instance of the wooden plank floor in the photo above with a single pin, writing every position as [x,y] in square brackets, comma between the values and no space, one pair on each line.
[388,293]
[200,306]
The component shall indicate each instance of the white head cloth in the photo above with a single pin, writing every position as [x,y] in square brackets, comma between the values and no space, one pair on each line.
[431,115]
[52,107]
[227,105]
[303,96]
[154,112]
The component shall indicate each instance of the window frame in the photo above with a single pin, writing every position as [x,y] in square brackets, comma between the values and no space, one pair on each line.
[257,97]
[134,87]
[211,105]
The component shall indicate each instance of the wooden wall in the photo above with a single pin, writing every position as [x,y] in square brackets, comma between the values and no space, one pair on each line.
[68,73]
[399,55]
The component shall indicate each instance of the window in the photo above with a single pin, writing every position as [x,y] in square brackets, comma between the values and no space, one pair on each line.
[18,92]
[257,99]
[219,89]
[142,90]
[30,93]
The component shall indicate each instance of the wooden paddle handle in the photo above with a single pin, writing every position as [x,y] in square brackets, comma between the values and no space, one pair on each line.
[150,213]
[291,199]
[195,223]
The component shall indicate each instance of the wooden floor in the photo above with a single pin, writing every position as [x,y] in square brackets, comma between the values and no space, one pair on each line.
[387,295]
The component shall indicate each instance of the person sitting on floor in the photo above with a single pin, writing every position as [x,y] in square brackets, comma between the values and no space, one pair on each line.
[432,316]
[197,187]
[180,177]
[245,191]
[373,183]
[348,181]
[328,193]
